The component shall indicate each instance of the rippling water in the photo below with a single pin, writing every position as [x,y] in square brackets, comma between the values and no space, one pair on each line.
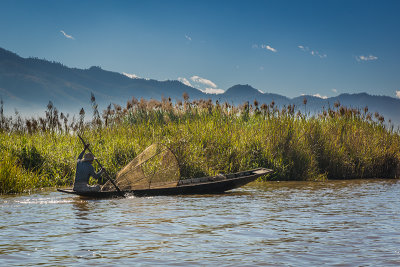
[344,223]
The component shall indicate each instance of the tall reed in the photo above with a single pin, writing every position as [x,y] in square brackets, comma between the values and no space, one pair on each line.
[207,138]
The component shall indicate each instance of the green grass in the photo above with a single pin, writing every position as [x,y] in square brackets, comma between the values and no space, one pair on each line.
[207,139]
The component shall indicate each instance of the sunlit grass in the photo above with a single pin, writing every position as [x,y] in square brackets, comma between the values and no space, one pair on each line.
[207,138]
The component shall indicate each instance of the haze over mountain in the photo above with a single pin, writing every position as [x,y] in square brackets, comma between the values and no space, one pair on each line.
[28,84]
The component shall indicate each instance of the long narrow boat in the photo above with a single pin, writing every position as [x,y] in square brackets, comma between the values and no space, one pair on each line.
[203,185]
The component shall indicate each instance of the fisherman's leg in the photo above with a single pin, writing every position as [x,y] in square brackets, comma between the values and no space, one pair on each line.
[86,188]
[94,188]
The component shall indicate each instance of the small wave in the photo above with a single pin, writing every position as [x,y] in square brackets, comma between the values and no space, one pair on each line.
[130,195]
[44,201]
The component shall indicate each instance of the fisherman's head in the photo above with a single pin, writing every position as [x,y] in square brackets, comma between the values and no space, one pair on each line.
[89,157]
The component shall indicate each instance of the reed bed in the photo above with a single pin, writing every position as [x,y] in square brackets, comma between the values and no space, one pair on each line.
[208,138]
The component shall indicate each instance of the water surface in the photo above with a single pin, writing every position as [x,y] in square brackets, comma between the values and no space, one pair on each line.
[345,223]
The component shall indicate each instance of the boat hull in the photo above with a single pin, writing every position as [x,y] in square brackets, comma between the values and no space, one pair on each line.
[212,187]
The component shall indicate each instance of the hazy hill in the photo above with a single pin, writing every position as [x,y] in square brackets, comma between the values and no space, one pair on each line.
[29,83]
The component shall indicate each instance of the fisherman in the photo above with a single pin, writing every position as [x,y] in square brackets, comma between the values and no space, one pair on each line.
[85,169]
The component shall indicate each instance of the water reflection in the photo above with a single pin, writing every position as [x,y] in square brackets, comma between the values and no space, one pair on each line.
[81,208]
[276,223]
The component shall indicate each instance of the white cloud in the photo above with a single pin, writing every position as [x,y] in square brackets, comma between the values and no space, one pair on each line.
[214,91]
[334,90]
[132,76]
[202,84]
[185,81]
[269,48]
[203,81]
[366,58]
[67,36]
[397,94]
[320,96]
[303,48]
[264,46]
[188,37]
[316,53]
[312,52]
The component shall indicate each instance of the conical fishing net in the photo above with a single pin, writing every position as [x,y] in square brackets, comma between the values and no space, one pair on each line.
[155,167]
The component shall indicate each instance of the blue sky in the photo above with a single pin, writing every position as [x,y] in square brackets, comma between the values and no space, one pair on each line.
[288,47]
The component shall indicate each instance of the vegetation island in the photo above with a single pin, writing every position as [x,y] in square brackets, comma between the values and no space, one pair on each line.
[207,138]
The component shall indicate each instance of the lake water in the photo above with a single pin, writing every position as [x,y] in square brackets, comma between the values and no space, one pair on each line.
[343,223]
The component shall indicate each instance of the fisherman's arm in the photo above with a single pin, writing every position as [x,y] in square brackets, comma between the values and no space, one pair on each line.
[96,175]
[83,151]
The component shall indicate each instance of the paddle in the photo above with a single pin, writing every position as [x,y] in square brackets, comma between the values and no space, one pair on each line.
[105,171]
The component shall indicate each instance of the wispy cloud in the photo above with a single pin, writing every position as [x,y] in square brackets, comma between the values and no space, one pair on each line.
[203,81]
[366,58]
[188,37]
[132,76]
[67,36]
[269,48]
[264,46]
[202,84]
[320,96]
[312,52]
[334,90]
[214,91]
[303,48]
[398,94]
[185,81]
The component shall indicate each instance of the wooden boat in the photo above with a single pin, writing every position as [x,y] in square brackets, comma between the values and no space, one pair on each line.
[203,185]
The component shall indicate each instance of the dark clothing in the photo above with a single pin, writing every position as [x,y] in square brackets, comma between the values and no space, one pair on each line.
[84,170]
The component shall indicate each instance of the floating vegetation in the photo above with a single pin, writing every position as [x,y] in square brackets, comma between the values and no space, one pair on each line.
[208,138]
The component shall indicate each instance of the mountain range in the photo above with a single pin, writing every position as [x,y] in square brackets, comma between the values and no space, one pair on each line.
[28,84]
